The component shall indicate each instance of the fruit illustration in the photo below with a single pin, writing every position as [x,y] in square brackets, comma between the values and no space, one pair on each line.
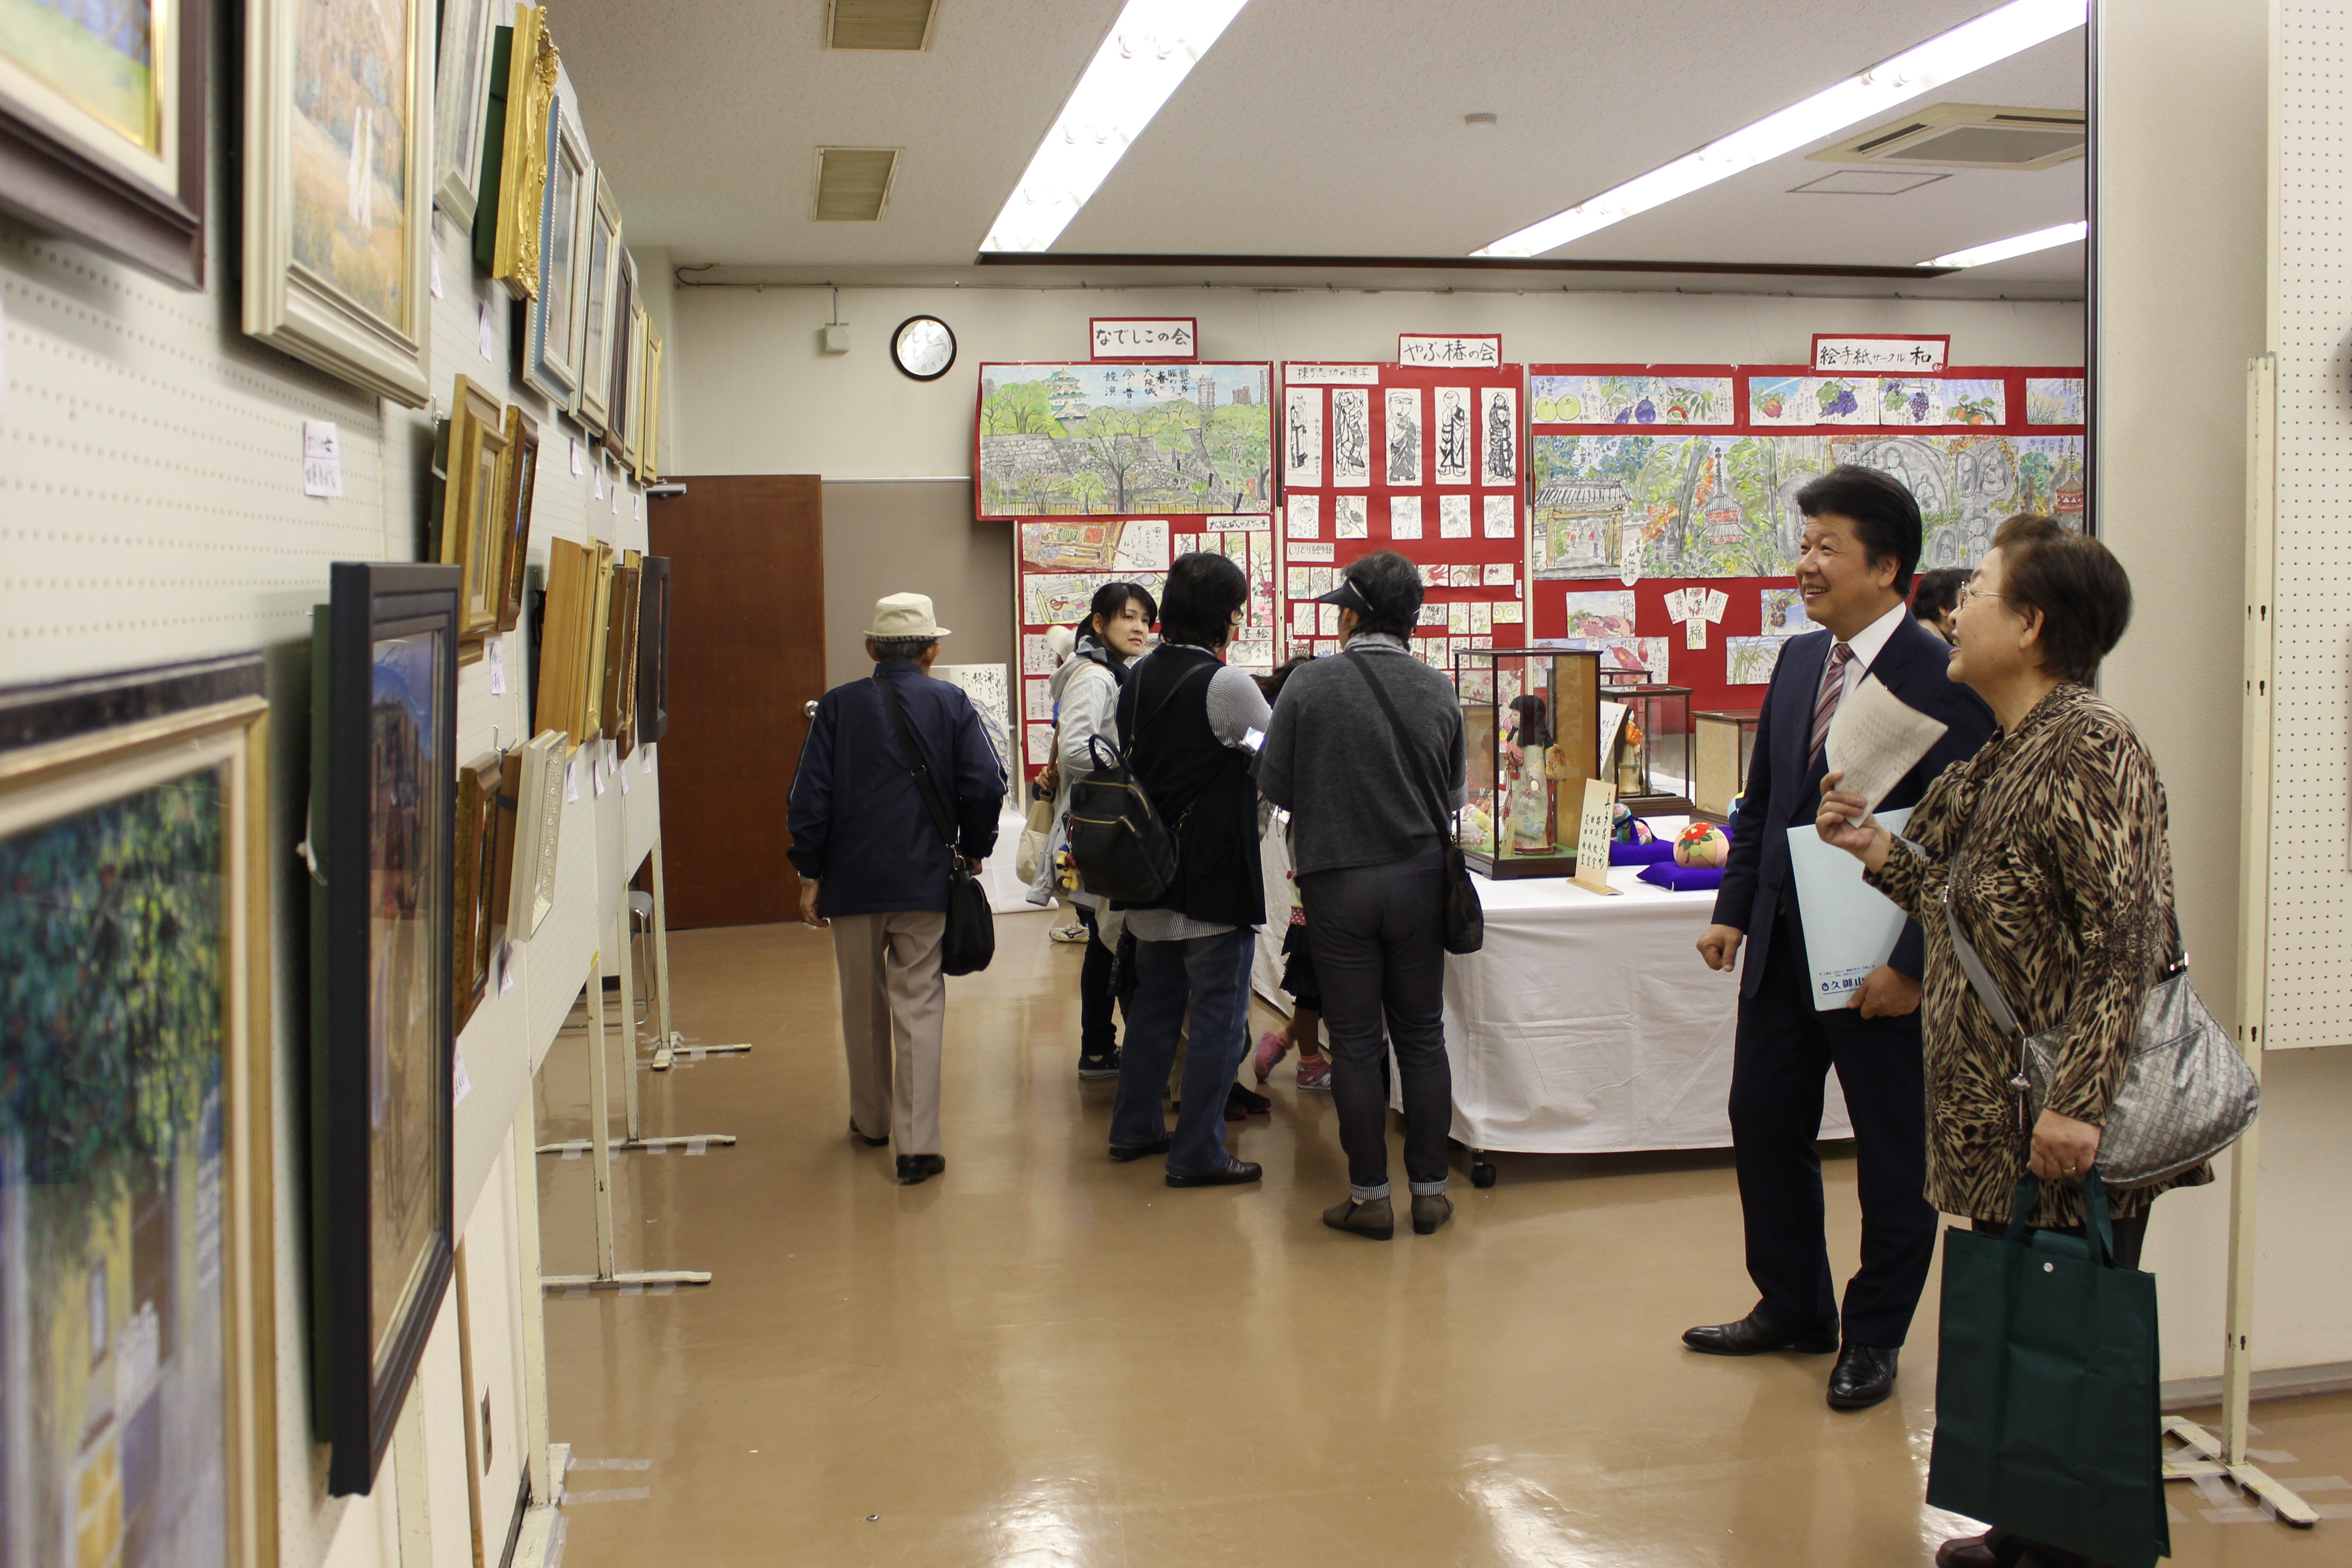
[1645,413]
[1770,405]
[1837,397]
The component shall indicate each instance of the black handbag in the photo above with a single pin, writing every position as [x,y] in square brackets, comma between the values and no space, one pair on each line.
[970,939]
[1465,918]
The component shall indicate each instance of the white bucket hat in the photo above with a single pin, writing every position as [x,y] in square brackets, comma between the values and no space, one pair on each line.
[904,616]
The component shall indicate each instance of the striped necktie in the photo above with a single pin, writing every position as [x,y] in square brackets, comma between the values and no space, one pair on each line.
[1825,706]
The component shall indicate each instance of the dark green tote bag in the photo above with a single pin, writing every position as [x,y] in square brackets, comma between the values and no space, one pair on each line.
[2046,1405]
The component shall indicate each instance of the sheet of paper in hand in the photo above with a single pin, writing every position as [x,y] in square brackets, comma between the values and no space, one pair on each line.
[1850,926]
[1876,739]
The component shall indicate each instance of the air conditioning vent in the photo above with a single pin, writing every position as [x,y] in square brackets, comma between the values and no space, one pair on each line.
[1868,182]
[1969,136]
[879,24]
[853,183]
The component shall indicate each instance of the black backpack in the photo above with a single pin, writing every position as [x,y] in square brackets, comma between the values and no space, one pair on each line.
[1123,851]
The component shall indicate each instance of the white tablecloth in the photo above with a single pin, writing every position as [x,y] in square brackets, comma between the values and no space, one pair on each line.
[1585,1025]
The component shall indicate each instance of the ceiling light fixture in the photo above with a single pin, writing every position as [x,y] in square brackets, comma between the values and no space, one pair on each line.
[2022,244]
[1147,54]
[1970,47]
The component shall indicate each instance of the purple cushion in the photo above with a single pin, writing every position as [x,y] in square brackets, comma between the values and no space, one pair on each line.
[1676,879]
[1648,854]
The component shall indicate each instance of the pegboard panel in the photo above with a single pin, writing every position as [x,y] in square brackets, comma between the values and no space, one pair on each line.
[2309,971]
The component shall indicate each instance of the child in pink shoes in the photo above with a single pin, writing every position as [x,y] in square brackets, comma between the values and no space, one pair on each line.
[1306,1015]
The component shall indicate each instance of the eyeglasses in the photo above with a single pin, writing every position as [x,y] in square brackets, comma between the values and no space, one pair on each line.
[1970,591]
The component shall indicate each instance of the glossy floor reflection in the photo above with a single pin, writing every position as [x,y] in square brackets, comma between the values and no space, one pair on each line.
[1044,1359]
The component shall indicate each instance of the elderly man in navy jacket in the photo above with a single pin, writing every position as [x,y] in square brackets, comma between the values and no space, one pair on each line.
[873,865]
[1861,543]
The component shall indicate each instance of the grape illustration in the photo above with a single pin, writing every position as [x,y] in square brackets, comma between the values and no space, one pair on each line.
[1919,407]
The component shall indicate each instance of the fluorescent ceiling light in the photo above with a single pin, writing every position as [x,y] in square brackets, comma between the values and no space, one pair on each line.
[2022,244]
[1970,47]
[1147,52]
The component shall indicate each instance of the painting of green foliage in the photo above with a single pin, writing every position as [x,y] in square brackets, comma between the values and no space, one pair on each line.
[1124,439]
[1725,505]
[112,1343]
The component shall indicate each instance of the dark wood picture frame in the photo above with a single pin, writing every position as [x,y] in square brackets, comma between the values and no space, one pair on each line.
[379,777]
[473,912]
[620,672]
[518,483]
[653,649]
[53,183]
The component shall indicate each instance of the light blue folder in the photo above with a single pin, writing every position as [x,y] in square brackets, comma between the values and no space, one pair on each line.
[1850,926]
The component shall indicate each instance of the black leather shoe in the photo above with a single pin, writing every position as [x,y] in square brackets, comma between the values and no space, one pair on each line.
[1236,1172]
[870,1142]
[1993,1549]
[1122,1154]
[1863,1375]
[915,1168]
[1752,1336]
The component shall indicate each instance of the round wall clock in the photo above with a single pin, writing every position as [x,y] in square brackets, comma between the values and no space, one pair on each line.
[923,347]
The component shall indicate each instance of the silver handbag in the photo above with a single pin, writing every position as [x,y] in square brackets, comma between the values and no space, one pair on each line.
[2187,1095]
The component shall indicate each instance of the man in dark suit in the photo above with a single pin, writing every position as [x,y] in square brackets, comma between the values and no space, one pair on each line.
[1861,543]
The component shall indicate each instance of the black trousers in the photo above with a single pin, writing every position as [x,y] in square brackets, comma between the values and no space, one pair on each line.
[1378,939]
[1781,1063]
[1098,1029]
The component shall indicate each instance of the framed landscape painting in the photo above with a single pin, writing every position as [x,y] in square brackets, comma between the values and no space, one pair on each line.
[551,359]
[461,104]
[598,287]
[383,770]
[653,649]
[338,186]
[102,126]
[138,1332]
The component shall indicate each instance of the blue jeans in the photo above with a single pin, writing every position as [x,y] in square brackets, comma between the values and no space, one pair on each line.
[1213,974]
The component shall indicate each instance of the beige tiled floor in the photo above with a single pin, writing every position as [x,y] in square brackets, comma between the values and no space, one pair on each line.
[1043,1359]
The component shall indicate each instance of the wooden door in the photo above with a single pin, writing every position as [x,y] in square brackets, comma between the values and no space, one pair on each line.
[746,656]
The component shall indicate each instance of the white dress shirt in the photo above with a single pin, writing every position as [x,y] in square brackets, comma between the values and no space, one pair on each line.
[1867,644]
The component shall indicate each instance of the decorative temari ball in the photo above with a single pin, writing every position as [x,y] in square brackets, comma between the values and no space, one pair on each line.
[1627,829]
[1702,844]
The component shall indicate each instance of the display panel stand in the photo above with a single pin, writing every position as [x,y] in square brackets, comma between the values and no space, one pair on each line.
[600,1146]
[2202,1452]
[668,1045]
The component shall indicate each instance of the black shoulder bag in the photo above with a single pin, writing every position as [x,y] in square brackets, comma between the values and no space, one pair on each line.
[1465,920]
[970,939]
[1124,850]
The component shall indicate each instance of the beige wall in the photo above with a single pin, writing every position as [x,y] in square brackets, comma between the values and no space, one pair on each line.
[2181,287]
[914,537]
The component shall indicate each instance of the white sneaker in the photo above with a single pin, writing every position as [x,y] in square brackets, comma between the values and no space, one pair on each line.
[1075,932]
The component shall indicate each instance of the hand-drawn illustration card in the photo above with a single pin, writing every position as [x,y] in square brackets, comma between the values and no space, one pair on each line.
[1351,436]
[1600,613]
[1749,661]
[1142,545]
[1403,435]
[1501,520]
[1784,613]
[2054,400]
[1404,517]
[1349,520]
[1910,400]
[1302,437]
[1303,517]
[1976,403]
[1779,400]
[1068,546]
[1453,517]
[1840,400]
[1499,442]
[1454,441]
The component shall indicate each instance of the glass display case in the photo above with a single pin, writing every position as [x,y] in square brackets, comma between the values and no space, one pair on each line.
[1531,736]
[1651,756]
[1722,743]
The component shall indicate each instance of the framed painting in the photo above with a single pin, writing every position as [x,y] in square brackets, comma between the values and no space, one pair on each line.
[633,433]
[551,359]
[620,674]
[598,291]
[384,788]
[138,1328]
[530,826]
[477,837]
[653,649]
[621,433]
[597,608]
[461,102]
[523,67]
[572,637]
[102,126]
[518,481]
[473,527]
[338,186]
[649,436]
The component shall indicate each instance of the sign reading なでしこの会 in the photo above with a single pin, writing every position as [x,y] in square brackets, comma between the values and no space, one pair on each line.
[1144,337]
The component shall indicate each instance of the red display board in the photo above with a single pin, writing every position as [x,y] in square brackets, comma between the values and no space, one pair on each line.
[1430,461]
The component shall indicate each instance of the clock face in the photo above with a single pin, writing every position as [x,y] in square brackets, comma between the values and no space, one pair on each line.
[923,347]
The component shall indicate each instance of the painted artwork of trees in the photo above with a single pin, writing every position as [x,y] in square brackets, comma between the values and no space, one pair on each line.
[1124,440]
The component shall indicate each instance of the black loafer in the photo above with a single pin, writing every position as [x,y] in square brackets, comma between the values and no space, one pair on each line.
[870,1142]
[1863,1375]
[1752,1336]
[1122,1154]
[1235,1173]
[917,1168]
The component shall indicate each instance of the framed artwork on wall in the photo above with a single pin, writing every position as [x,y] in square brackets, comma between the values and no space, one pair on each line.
[551,359]
[598,291]
[572,637]
[477,837]
[649,437]
[620,436]
[384,772]
[653,649]
[620,699]
[506,223]
[138,1321]
[338,187]
[461,105]
[531,810]
[598,609]
[103,127]
[473,528]
[518,481]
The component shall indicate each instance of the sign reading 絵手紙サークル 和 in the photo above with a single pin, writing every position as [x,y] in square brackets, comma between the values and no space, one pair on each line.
[1922,355]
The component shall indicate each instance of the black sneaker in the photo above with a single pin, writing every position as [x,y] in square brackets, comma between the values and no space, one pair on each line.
[1104,1066]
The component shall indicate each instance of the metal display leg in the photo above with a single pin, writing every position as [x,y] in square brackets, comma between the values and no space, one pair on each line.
[667,1044]
[600,1112]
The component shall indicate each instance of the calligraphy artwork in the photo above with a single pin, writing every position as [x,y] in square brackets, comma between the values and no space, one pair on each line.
[1499,435]
[1302,444]
[1452,436]
[1404,435]
[1351,436]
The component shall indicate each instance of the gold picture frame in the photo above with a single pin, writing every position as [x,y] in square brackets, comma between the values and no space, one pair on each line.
[474,918]
[517,486]
[530,98]
[572,642]
[472,528]
[620,670]
[649,438]
[134,838]
[594,719]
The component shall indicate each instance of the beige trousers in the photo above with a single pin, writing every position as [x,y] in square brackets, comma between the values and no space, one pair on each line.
[894,1007]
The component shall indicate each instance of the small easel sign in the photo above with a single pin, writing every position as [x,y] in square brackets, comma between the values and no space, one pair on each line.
[1593,837]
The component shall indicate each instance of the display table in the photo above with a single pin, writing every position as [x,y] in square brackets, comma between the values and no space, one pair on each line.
[1585,1025]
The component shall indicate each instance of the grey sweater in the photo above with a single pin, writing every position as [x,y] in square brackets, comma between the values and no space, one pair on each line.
[1331,757]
